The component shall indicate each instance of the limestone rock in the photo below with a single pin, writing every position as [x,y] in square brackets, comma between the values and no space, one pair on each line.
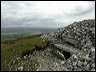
[78,35]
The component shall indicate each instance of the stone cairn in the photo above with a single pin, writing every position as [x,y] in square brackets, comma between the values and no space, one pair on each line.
[84,33]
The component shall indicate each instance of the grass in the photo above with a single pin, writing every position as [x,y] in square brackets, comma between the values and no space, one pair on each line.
[12,53]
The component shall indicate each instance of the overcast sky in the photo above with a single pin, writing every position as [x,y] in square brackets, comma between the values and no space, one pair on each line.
[51,14]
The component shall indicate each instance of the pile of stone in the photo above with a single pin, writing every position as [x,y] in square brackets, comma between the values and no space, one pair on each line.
[81,62]
[82,36]
[80,31]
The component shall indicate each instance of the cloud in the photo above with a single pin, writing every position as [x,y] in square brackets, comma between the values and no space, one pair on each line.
[45,13]
[83,9]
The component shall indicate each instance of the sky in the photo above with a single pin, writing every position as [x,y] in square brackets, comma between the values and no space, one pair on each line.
[45,14]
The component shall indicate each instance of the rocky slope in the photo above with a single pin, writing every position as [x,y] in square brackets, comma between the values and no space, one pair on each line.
[80,35]
[46,61]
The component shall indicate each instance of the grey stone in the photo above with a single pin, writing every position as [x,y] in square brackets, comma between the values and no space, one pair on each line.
[65,69]
[92,70]
[74,63]
[66,48]
[62,62]
[87,57]
[93,65]
[74,55]
[79,35]
[93,57]
[85,63]
[59,54]
[80,64]
[68,61]
[92,51]
[20,68]
[86,68]
[25,57]
[72,41]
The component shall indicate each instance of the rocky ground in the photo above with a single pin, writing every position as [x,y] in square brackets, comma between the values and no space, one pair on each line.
[80,36]
[47,61]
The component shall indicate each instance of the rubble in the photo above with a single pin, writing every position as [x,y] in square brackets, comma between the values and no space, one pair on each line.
[80,35]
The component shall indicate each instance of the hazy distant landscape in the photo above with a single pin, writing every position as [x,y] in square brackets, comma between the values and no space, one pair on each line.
[19,32]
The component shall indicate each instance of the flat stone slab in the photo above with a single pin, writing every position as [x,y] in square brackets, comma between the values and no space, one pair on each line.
[72,41]
[67,48]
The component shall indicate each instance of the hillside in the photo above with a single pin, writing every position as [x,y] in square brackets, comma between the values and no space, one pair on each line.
[14,53]
[78,39]
[70,48]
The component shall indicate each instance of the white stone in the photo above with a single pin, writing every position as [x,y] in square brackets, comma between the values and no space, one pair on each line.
[93,65]
[62,62]
[20,68]
[5,62]
[65,69]
[13,50]
[56,64]
[28,69]
[74,55]
[92,51]
[25,57]
[87,57]
[16,69]
[14,61]
[85,63]
[79,63]
[43,40]
[37,70]
[92,69]
[74,63]
[18,58]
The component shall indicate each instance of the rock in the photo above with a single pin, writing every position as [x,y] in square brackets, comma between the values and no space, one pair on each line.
[74,63]
[92,70]
[79,35]
[13,61]
[20,68]
[13,50]
[62,62]
[59,54]
[72,41]
[80,64]
[65,47]
[25,57]
[68,61]
[74,56]
[93,51]
[93,57]
[43,40]
[28,69]
[18,58]
[88,44]
[85,63]
[87,57]
[65,69]
[87,67]
[93,65]
[37,70]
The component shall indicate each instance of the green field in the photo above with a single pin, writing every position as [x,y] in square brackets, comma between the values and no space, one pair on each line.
[16,33]
[13,52]
[12,37]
